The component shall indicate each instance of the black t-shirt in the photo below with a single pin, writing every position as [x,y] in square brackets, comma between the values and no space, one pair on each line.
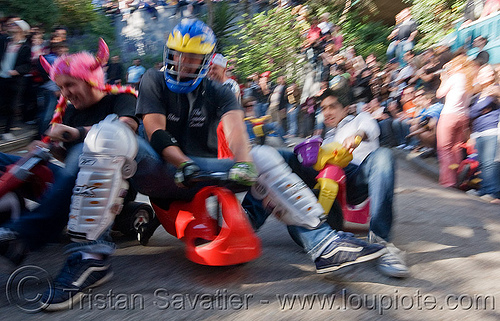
[115,71]
[191,118]
[435,81]
[259,95]
[121,105]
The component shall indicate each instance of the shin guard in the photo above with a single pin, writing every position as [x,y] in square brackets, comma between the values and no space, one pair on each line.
[106,162]
[282,192]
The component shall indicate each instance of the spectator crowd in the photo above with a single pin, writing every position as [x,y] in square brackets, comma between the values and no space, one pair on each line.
[431,102]
[434,102]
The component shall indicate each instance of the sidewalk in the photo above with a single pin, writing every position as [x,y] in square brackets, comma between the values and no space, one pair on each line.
[23,133]
[427,166]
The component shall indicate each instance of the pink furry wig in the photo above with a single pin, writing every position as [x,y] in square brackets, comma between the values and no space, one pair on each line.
[82,65]
[85,66]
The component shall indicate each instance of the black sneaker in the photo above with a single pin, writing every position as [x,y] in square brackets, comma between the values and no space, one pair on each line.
[346,250]
[76,276]
[11,246]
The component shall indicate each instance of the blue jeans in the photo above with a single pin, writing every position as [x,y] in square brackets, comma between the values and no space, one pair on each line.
[276,128]
[47,221]
[104,244]
[397,50]
[261,109]
[386,135]
[267,128]
[402,48]
[400,129]
[155,178]
[292,119]
[374,177]
[490,170]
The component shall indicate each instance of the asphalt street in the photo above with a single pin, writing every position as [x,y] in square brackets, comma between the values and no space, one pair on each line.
[452,249]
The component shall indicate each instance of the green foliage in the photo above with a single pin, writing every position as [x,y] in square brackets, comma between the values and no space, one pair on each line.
[101,27]
[85,23]
[336,7]
[435,19]
[366,36]
[76,14]
[224,23]
[44,12]
[268,41]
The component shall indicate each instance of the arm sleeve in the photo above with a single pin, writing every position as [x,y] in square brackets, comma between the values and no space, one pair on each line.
[225,99]
[23,63]
[368,125]
[150,94]
[445,87]
[125,106]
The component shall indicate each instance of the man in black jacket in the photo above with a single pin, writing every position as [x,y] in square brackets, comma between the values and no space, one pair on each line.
[15,61]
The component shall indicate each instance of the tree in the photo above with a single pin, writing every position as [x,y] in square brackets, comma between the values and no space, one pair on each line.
[223,22]
[210,12]
[44,12]
[358,27]
[77,15]
[340,9]
[268,41]
[366,36]
[435,19]
[85,23]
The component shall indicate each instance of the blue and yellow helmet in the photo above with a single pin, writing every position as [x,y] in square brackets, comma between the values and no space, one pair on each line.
[187,55]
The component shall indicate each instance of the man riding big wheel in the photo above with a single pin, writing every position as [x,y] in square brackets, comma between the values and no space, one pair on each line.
[181,111]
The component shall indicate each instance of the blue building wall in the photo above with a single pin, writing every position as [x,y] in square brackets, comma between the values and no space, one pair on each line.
[488,27]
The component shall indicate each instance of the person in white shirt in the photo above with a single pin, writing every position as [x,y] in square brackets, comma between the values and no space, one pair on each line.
[218,73]
[325,25]
[370,174]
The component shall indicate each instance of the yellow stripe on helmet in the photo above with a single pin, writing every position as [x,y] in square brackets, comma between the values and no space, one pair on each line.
[187,44]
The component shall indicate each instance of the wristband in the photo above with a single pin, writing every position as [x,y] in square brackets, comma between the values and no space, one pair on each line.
[162,139]
[82,132]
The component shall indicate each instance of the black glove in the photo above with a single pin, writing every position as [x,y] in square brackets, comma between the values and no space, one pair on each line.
[185,173]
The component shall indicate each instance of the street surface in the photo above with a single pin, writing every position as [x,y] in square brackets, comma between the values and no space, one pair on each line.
[452,245]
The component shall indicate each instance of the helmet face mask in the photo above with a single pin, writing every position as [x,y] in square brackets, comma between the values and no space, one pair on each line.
[187,55]
[184,71]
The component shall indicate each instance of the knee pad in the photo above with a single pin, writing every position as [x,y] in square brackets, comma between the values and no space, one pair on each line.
[282,192]
[106,162]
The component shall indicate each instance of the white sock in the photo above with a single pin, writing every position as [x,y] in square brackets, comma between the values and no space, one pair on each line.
[93,256]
